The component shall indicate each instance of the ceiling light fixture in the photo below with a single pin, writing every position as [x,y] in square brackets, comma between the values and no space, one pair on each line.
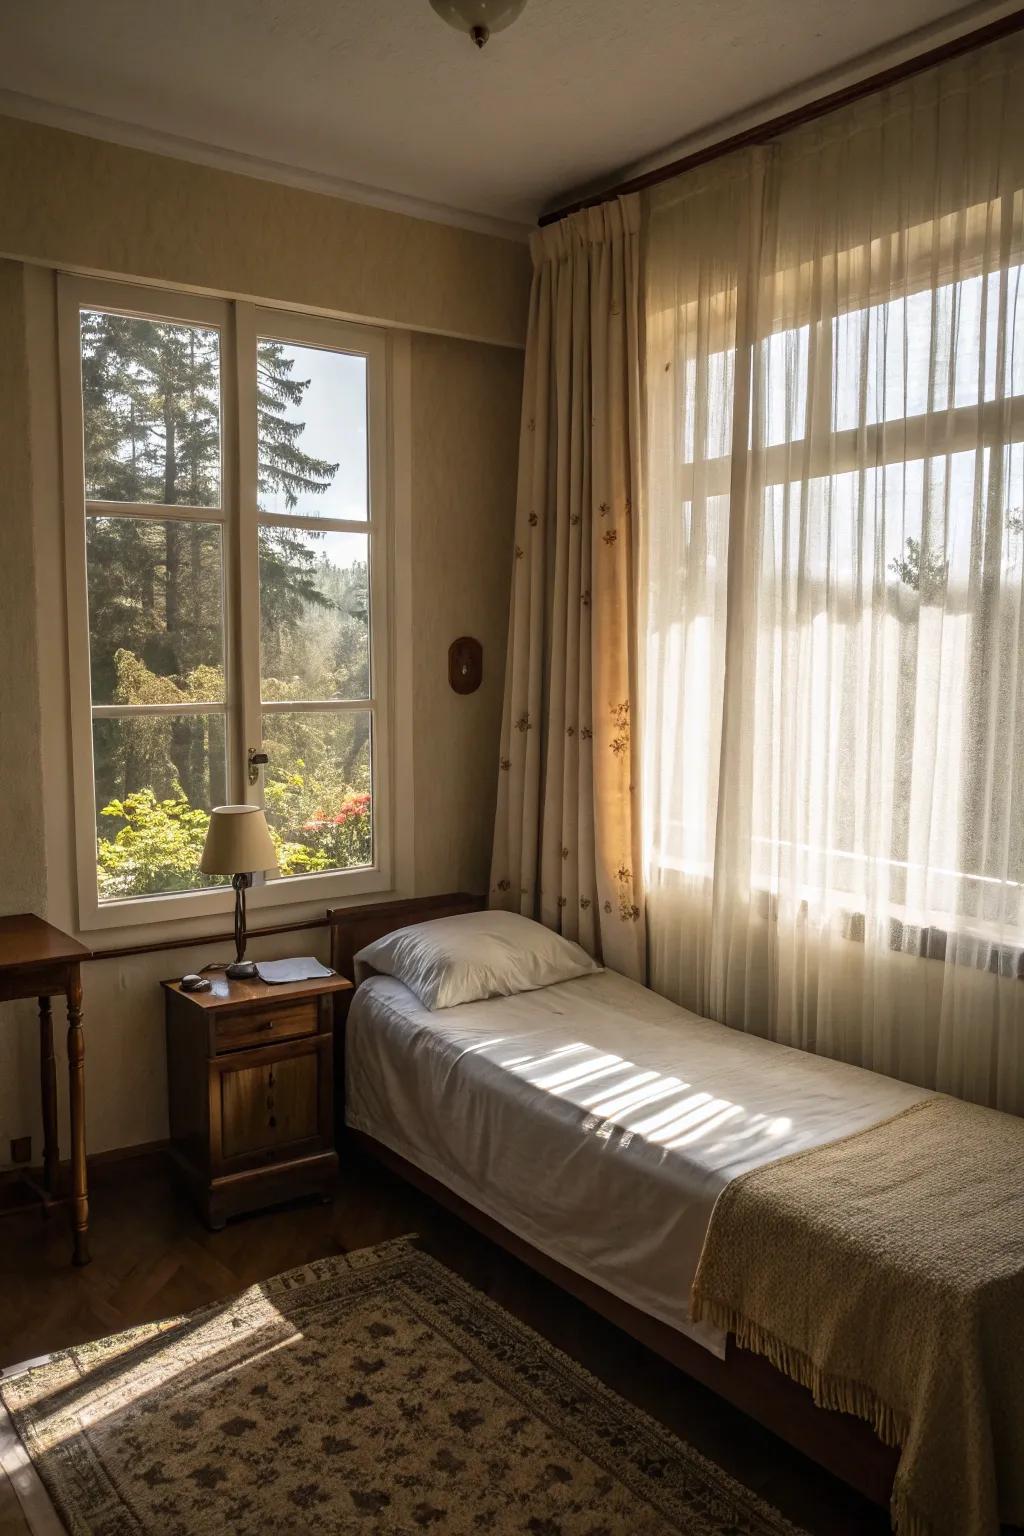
[478,18]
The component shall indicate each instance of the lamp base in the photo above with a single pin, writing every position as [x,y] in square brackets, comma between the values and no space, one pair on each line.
[241,970]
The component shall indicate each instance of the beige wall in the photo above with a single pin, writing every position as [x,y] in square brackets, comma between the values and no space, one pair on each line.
[22,857]
[465,419]
[71,202]
[21,811]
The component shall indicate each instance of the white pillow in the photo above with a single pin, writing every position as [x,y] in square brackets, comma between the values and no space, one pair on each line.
[476,955]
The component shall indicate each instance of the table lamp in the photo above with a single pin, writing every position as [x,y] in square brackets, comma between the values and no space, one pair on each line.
[237,843]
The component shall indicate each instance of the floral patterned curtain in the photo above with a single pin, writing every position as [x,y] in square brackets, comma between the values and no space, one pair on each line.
[567,831]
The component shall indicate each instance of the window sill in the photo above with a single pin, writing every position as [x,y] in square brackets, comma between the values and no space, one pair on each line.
[280,894]
[967,942]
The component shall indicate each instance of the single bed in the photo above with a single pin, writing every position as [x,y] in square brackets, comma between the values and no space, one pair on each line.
[859,1235]
[841,1443]
[594,1119]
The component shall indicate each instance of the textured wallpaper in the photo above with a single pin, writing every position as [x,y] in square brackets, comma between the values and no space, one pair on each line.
[68,200]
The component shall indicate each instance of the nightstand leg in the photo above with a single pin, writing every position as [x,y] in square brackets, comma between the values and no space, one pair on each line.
[214,1217]
[76,1083]
[48,1083]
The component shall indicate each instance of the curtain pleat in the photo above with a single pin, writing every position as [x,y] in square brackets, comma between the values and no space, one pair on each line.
[832,584]
[567,831]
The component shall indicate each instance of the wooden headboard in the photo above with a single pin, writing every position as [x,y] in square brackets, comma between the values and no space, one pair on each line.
[352,927]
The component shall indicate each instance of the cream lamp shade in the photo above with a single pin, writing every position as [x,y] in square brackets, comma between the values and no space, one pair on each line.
[237,841]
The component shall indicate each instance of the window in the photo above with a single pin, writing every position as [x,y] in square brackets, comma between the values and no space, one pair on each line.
[879,538]
[832,583]
[225,502]
[892,505]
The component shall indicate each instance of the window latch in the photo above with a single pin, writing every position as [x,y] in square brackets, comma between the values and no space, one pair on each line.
[257,760]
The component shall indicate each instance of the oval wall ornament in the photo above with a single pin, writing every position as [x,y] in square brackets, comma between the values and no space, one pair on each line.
[465,664]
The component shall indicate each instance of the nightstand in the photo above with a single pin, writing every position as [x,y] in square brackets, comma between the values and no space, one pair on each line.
[251,1086]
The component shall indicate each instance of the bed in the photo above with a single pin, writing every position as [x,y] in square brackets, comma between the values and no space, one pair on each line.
[844,1445]
[604,1134]
[594,1108]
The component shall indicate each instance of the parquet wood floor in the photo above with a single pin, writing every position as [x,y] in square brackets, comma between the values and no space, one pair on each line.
[154,1258]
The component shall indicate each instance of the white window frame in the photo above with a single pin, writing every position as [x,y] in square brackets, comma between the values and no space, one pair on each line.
[832,452]
[239,323]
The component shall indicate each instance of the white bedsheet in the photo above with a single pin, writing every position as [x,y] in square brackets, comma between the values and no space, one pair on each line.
[595,1119]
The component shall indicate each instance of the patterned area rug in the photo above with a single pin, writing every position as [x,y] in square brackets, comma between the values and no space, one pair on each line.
[372,1392]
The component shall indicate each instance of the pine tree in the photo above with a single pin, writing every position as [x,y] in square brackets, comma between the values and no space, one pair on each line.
[288,578]
[151,396]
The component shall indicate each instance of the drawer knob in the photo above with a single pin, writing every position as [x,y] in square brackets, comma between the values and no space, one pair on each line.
[268,1023]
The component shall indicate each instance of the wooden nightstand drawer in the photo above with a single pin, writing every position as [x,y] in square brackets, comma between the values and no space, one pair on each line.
[235,1031]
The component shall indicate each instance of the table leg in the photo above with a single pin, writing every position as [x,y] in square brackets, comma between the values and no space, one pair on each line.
[76,1082]
[48,1082]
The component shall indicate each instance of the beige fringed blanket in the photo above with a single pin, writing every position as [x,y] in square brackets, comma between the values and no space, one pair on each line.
[886,1273]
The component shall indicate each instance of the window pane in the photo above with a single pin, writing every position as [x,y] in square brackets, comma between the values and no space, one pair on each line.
[314,615]
[318,788]
[929,351]
[783,386]
[156,779]
[156,626]
[151,406]
[311,431]
[707,406]
[916,521]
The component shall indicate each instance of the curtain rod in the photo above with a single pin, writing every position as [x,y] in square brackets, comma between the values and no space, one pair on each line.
[1005,26]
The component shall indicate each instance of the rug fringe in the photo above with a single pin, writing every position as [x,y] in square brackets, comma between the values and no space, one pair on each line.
[832,1392]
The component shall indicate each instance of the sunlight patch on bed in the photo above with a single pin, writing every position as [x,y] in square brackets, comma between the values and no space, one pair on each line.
[579,1073]
[660,1088]
[641,1080]
[625,1102]
[549,1059]
[719,1112]
[692,1113]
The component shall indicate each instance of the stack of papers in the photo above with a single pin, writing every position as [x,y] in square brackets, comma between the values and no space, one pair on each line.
[304,968]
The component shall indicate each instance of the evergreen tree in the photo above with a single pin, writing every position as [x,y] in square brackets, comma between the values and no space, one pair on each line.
[151,394]
[288,583]
[151,397]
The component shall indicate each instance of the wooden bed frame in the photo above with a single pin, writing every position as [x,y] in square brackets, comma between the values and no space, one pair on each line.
[843,1445]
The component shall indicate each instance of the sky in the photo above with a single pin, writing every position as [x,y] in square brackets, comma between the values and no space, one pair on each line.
[334,410]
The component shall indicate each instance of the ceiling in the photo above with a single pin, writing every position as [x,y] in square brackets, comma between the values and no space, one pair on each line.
[381,94]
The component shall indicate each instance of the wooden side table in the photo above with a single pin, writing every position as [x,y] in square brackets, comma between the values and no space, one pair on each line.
[39,961]
[251,1087]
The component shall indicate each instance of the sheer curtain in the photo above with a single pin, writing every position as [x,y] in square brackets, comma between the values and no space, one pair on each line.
[831,580]
[567,829]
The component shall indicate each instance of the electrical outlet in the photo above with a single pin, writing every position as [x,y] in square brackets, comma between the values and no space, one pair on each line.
[21,1149]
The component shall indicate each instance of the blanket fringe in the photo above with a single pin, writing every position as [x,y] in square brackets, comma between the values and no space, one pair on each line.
[828,1391]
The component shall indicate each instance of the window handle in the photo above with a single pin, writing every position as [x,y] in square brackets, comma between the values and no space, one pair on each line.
[256,761]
